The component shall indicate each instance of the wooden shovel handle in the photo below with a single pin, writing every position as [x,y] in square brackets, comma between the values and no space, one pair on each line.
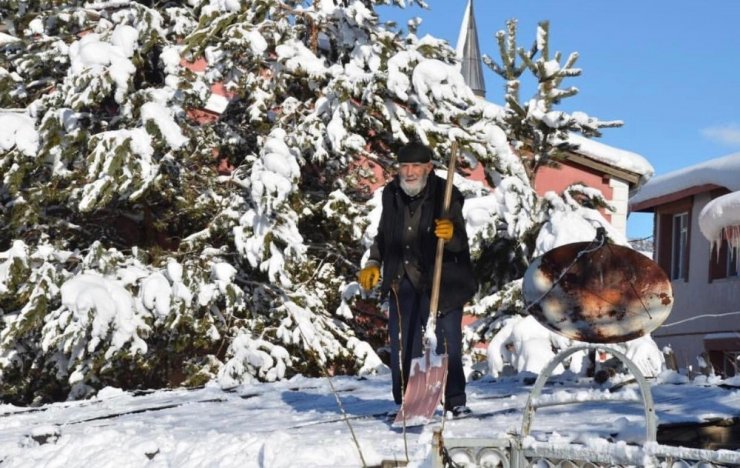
[437,278]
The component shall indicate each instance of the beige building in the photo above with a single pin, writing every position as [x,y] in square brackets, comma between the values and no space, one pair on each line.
[703,272]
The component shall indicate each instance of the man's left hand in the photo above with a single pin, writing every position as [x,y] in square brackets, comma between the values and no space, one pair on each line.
[444,229]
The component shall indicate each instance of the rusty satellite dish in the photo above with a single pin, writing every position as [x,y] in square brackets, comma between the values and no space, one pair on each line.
[597,292]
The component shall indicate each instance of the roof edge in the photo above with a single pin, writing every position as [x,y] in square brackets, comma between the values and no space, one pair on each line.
[648,205]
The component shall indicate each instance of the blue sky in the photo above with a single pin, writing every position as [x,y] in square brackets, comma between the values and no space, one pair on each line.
[670,70]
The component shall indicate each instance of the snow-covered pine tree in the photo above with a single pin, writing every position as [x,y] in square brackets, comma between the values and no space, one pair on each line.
[139,248]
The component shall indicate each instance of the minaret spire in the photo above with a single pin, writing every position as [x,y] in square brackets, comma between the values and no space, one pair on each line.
[469,53]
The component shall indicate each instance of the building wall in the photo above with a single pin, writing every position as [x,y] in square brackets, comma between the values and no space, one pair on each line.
[615,191]
[620,201]
[559,178]
[698,298]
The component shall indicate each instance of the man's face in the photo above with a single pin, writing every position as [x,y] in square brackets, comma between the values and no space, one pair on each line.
[413,177]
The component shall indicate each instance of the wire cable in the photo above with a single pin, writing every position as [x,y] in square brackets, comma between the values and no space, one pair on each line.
[666,325]
[336,397]
[394,290]
[591,247]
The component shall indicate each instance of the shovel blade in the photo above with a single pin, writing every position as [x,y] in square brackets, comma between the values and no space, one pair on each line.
[423,390]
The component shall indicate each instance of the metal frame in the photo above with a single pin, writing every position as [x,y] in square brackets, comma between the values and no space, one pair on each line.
[513,452]
[651,428]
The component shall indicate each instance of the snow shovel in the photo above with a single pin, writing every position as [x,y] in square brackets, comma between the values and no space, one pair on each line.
[428,373]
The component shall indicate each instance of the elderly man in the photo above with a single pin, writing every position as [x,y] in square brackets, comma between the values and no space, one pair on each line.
[410,224]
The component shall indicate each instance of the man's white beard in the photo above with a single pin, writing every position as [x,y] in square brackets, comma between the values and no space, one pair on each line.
[414,188]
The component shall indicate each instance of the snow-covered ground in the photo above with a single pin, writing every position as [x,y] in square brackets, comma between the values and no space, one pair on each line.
[298,422]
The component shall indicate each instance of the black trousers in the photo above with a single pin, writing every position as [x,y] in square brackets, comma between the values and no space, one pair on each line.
[410,309]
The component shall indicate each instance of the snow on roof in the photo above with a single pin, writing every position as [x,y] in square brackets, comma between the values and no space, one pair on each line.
[721,216]
[612,156]
[721,335]
[724,172]
[599,152]
[298,422]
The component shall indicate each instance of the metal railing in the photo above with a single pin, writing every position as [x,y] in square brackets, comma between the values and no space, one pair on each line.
[522,450]
[511,453]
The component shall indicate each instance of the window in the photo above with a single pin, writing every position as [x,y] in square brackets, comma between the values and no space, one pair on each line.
[673,238]
[730,363]
[724,352]
[723,261]
[679,246]
[732,261]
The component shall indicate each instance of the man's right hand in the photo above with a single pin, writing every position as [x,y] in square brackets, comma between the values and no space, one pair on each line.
[369,276]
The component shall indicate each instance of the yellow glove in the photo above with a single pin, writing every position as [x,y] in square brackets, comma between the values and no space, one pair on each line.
[444,229]
[369,276]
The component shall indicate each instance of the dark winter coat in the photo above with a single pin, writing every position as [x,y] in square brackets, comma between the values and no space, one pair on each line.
[458,283]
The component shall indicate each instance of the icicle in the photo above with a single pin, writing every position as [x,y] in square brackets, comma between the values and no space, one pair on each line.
[732,235]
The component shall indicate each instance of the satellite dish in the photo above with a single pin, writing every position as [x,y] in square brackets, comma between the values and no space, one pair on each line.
[597,292]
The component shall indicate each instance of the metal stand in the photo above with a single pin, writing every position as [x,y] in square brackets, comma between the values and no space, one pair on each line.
[647,396]
[513,452]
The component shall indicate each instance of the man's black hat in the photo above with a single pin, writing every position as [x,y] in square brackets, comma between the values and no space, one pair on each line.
[414,152]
